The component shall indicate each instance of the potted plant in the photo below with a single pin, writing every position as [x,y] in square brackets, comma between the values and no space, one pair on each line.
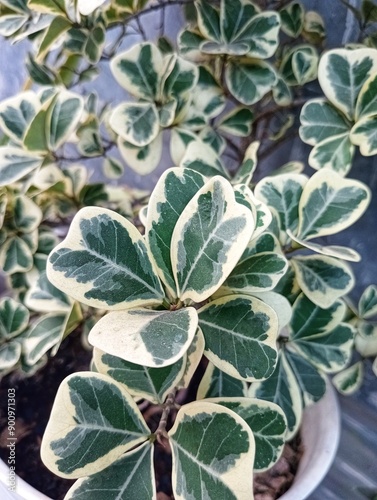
[214,318]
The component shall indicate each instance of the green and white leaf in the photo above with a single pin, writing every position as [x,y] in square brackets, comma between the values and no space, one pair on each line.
[153,384]
[17,112]
[175,188]
[194,355]
[104,262]
[246,170]
[43,296]
[282,389]
[208,239]
[368,302]
[292,19]
[208,96]
[249,80]
[299,65]
[138,70]
[62,118]
[213,138]
[112,168]
[320,120]
[329,204]
[213,453]
[279,304]
[131,476]
[366,339]
[364,135]
[366,105]
[216,383]
[58,27]
[16,163]
[27,214]
[178,76]
[14,318]
[15,256]
[323,279]
[189,42]
[142,160]
[342,73]
[203,159]
[42,336]
[268,424]
[348,381]
[90,412]
[136,123]
[240,336]
[281,92]
[335,153]
[142,336]
[237,122]
[10,354]
[179,140]
[11,23]
[208,20]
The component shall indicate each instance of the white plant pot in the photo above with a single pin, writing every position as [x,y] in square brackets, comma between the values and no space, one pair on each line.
[320,434]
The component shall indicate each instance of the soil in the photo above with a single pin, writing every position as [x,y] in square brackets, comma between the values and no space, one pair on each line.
[34,399]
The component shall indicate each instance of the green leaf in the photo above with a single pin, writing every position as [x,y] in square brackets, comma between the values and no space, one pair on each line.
[348,381]
[43,296]
[175,188]
[17,112]
[329,204]
[299,65]
[211,137]
[90,412]
[179,139]
[153,384]
[342,73]
[194,356]
[311,381]
[208,20]
[142,160]
[283,193]
[47,6]
[59,25]
[15,256]
[238,122]
[189,42]
[247,168]
[27,215]
[364,134]
[249,81]
[261,34]
[240,335]
[366,105]
[320,121]
[136,123]
[369,11]
[112,168]
[166,113]
[292,19]
[138,70]
[203,159]
[366,339]
[260,272]
[150,338]
[9,355]
[14,318]
[35,137]
[235,17]
[335,153]
[42,336]
[216,383]
[131,476]
[94,43]
[281,92]
[179,76]
[104,262]
[212,448]
[268,424]
[208,239]
[62,118]
[15,163]
[314,27]
[208,96]
[282,389]
[323,279]
[11,23]
[367,307]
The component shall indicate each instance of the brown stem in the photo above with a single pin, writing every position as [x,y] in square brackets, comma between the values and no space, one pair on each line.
[169,404]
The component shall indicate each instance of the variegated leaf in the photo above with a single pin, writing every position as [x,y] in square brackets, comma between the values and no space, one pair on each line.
[283,193]
[112,168]
[179,76]
[208,239]
[216,383]
[314,27]
[17,112]
[300,64]
[62,117]
[368,302]
[15,256]
[279,304]
[138,70]
[42,336]
[90,412]
[153,384]
[364,135]
[86,7]
[366,105]
[47,6]
[335,153]
[58,27]
[104,262]
[43,296]
[203,159]
[323,279]
[348,381]
[259,272]
[235,17]
[320,120]
[292,19]
[208,96]
[189,42]
[16,163]
[281,92]
[240,336]
[136,123]
[150,338]
[311,381]
[342,73]
[142,160]
[10,354]
[14,318]
[237,122]
[213,453]
[11,23]
[282,389]
[175,188]
[268,424]
[366,339]
[249,81]
[179,140]
[208,20]
[329,204]
[131,476]
[211,137]
[246,170]
[194,355]
[27,215]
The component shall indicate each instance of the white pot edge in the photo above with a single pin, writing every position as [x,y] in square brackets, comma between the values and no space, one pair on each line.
[320,433]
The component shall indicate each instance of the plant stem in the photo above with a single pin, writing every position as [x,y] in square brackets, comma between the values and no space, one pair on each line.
[161,432]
